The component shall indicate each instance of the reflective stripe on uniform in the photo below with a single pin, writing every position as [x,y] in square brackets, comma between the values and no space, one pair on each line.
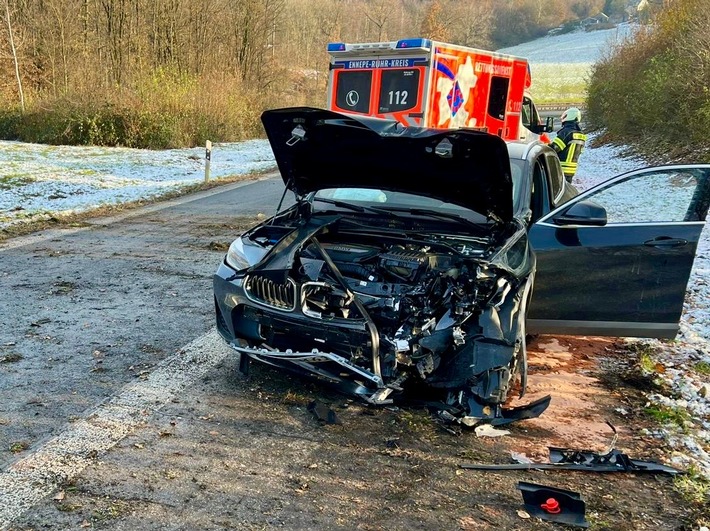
[559,144]
[574,149]
[569,168]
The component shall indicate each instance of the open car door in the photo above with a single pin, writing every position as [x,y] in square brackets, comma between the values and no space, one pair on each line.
[616,259]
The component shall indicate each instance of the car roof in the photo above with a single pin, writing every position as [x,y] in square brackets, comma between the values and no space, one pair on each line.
[521,150]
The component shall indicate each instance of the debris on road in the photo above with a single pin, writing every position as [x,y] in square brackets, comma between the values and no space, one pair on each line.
[323,413]
[553,504]
[486,430]
[520,458]
[583,460]
[528,411]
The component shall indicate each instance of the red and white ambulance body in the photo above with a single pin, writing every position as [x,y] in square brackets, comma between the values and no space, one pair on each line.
[432,84]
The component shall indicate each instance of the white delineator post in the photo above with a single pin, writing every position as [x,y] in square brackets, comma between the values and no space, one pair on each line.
[208,158]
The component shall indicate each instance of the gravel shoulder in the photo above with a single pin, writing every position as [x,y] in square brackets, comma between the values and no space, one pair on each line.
[245,453]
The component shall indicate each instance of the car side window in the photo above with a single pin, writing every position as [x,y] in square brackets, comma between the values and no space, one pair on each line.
[668,195]
[539,198]
[556,177]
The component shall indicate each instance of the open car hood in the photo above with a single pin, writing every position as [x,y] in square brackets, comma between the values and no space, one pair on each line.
[317,149]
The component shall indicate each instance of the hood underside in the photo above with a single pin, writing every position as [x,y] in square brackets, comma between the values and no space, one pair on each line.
[317,149]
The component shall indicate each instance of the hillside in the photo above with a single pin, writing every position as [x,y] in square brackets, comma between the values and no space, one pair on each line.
[561,64]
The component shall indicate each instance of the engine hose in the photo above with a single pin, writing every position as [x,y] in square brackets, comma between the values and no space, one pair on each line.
[356,269]
[371,326]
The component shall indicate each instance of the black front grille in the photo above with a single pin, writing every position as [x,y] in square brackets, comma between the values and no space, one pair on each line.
[266,291]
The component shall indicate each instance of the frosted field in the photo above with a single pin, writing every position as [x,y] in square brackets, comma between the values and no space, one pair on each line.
[575,47]
[38,180]
[560,64]
[559,82]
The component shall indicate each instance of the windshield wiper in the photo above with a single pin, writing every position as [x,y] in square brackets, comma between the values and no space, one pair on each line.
[356,208]
[340,204]
[434,214]
[390,211]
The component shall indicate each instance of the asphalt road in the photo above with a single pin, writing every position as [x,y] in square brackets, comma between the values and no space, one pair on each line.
[86,311]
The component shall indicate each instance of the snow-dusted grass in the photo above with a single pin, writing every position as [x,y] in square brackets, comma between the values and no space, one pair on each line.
[37,179]
[576,47]
[561,64]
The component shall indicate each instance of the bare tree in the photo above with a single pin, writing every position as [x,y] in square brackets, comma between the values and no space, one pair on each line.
[378,12]
[435,25]
[14,56]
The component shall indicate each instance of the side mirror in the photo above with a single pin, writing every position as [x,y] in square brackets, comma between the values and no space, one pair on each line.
[587,213]
[549,124]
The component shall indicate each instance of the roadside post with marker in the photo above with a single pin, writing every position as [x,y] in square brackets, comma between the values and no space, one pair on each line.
[208,159]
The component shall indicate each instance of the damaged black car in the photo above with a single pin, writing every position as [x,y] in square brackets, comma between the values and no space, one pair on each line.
[405,269]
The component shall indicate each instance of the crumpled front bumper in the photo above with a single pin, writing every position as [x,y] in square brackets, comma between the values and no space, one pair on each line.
[309,361]
[248,327]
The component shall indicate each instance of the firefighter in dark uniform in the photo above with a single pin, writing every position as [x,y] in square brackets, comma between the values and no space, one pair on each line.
[569,142]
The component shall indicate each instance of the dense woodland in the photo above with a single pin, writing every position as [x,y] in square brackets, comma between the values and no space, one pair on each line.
[162,73]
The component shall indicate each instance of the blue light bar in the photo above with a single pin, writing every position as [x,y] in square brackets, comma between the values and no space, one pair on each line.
[414,43]
[336,46]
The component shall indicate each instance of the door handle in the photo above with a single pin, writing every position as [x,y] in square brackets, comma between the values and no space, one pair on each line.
[665,241]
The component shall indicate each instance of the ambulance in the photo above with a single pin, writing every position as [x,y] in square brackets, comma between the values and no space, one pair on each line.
[424,83]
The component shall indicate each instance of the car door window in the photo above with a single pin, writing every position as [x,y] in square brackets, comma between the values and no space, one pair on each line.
[539,203]
[556,177]
[666,195]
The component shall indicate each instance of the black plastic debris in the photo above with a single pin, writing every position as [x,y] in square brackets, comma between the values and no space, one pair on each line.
[323,413]
[554,505]
[452,416]
[528,411]
[584,460]
[392,443]
[612,461]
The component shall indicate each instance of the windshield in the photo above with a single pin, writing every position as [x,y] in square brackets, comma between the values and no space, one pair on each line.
[384,198]
[396,200]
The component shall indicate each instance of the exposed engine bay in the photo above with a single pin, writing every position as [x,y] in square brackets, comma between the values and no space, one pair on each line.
[385,314]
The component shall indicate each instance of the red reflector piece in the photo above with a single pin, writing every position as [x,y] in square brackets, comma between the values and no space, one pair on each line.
[552,506]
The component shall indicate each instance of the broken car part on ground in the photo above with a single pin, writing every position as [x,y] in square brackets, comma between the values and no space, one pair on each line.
[585,461]
[405,268]
[553,504]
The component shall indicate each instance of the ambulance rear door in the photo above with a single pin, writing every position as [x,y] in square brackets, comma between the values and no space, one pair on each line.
[383,80]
